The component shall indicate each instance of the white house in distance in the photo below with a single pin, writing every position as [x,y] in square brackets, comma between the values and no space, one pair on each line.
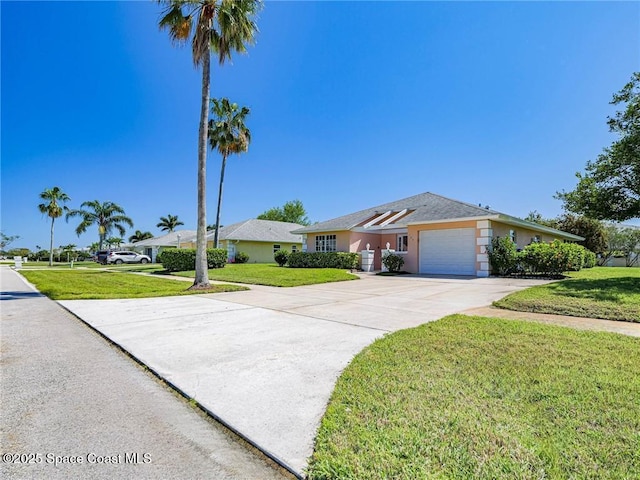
[154,246]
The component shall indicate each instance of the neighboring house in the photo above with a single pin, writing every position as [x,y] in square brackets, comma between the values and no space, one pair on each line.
[154,246]
[436,235]
[632,259]
[259,239]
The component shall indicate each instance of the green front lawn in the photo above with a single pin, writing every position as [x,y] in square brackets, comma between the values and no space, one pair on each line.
[611,293]
[99,284]
[45,264]
[273,275]
[485,398]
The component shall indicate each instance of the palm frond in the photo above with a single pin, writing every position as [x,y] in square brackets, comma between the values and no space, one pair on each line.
[176,22]
[236,27]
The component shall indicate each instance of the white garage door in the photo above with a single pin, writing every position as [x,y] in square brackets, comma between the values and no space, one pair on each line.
[451,251]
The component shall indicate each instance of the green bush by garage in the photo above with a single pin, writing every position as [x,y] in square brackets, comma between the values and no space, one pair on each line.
[548,259]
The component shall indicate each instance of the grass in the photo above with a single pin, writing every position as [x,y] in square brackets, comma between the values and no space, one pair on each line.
[273,275]
[45,264]
[611,293]
[100,284]
[479,398]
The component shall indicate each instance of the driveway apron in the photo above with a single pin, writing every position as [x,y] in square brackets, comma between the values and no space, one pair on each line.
[75,407]
[265,361]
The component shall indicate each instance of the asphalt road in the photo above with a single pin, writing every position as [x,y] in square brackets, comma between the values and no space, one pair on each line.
[73,406]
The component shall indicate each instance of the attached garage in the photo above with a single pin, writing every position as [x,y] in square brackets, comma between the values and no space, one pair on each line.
[448,251]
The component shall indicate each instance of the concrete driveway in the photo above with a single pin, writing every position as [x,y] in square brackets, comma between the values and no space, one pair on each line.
[266,360]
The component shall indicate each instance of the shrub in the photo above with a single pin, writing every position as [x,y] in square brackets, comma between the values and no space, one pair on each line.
[340,260]
[538,258]
[281,257]
[241,257]
[216,257]
[181,259]
[589,259]
[393,262]
[553,258]
[503,256]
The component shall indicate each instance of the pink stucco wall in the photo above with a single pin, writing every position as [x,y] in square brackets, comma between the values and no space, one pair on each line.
[347,241]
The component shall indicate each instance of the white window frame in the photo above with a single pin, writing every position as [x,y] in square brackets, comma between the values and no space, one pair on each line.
[276,248]
[326,243]
[402,243]
[513,235]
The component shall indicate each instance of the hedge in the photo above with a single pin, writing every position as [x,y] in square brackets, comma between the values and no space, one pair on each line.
[551,259]
[184,259]
[241,257]
[340,260]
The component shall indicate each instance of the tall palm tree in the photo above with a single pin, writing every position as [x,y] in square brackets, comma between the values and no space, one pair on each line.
[228,134]
[53,208]
[223,26]
[138,236]
[106,216]
[169,223]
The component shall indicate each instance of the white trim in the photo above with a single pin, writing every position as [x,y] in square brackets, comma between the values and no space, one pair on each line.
[394,217]
[536,227]
[452,220]
[376,230]
[376,219]
[482,257]
[507,220]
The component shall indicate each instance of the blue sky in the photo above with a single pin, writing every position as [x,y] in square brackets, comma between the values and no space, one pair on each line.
[353,104]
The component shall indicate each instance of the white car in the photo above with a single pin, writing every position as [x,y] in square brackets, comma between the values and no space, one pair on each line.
[127,257]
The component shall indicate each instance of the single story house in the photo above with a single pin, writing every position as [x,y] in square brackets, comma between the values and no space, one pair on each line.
[259,239]
[154,246]
[436,235]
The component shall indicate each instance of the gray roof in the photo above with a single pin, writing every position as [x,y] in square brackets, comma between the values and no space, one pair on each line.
[255,230]
[423,208]
[168,240]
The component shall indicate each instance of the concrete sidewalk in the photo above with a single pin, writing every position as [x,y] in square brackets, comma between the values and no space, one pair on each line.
[580,323]
[75,407]
[266,360]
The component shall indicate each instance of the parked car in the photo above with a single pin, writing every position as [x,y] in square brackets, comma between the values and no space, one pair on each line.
[127,257]
[101,256]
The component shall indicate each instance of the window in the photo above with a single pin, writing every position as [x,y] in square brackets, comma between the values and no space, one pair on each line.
[513,236]
[325,243]
[276,248]
[403,243]
[536,239]
[294,248]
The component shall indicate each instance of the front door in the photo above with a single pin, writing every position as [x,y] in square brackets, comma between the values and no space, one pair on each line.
[231,252]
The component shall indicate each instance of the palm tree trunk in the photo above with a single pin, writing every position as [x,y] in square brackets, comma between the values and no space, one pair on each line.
[202,274]
[216,235]
[53,219]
